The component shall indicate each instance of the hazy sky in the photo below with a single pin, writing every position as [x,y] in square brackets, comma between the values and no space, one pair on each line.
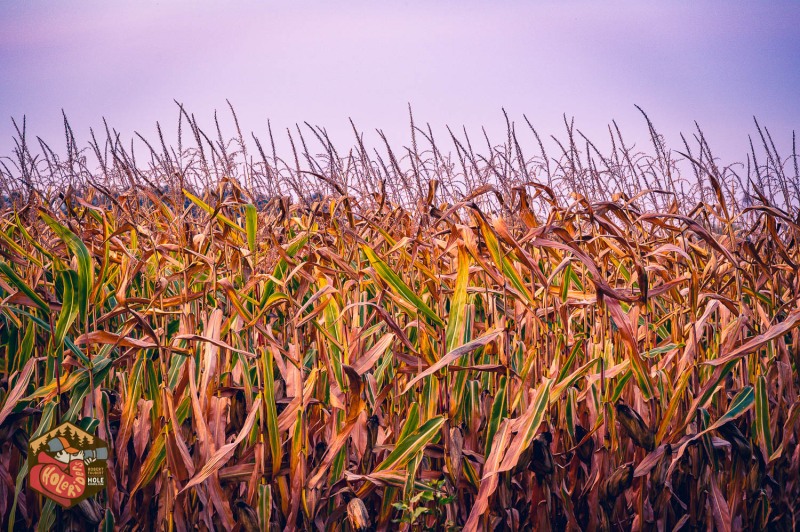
[457,63]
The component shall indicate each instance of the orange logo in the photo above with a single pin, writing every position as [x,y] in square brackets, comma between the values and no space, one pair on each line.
[67,465]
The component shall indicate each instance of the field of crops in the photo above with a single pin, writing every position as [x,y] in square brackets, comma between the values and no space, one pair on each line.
[515,359]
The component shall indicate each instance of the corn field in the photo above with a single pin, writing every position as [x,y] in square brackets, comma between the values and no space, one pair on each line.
[491,357]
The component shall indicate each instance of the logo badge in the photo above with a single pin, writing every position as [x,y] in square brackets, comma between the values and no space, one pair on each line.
[67,465]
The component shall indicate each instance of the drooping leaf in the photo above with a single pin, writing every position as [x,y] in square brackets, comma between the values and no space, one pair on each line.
[399,286]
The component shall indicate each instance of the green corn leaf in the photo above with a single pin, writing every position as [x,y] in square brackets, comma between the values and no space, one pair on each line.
[333,326]
[573,354]
[620,386]
[210,210]
[413,443]
[85,279]
[673,405]
[502,261]
[68,282]
[108,522]
[663,349]
[270,407]
[46,327]
[565,282]
[48,516]
[527,425]
[566,382]
[412,422]
[570,410]
[152,465]
[26,348]
[17,281]
[739,405]
[399,286]
[499,412]
[24,232]
[264,505]
[19,250]
[456,321]
[282,267]
[762,415]
[251,221]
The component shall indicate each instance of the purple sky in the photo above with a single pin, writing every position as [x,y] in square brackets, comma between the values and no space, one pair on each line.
[457,63]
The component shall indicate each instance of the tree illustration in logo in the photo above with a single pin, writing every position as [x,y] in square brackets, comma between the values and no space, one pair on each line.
[58,464]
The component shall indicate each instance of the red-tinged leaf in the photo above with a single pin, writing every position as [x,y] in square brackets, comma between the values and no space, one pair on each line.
[719,506]
[628,331]
[649,462]
[20,385]
[355,407]
[107,338]
[224,453]
[141,427]
[333,448]
[740,404]
[526,426]
[287,417]
[219,501]
[217,419]
[204,439]
[776,331]
[788,430]
[489,478]
[368,359]
[210,354]
[178,454]
[454,355]
[217,343]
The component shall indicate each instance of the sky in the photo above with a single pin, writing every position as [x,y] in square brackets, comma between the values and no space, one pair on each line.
[457,63]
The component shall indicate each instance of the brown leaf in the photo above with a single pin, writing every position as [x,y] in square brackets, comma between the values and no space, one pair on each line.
[21,384]
[177,452]
[719,506]
[365,362]
[776,331]
[225,452]
[141,427]
[490,478]
[454,355]
[217,343]
[107,338]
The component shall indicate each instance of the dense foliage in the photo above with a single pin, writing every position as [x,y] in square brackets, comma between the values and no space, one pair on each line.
[350,363]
